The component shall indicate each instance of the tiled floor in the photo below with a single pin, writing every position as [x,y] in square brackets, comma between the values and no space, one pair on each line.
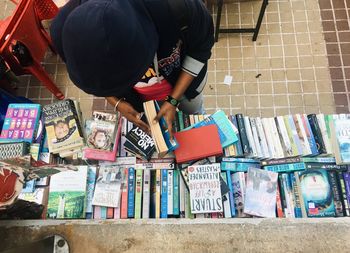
[285,71]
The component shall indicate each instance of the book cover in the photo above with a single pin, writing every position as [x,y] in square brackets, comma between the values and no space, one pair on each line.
[108,186]
[141,141]
[333,180]
[345,200]
[317,193]
[261,193]
[238,183]
[341,143]
[67,197]
[164,194]
[12,150]
[146,194]
[90,188]
[192,145]
[204,186]
[100,134]
[138,193]
[131,192]
[20,123]
[62,126]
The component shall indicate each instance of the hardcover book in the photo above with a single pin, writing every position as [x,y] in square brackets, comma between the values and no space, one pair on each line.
[21,123]
[261,193]
[204,186]
[67,197]
[62,126]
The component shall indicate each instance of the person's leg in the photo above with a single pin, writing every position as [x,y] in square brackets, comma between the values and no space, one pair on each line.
[192,106]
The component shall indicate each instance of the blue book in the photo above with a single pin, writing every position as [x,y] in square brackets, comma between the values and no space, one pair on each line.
[310,135]
[131,192]
[103,212]
[225,127]
[90,187]
[164,195]
[238,144]
[286,167]
[236,166]
[297,204]
[29,186]
[295,135]
[340,127]
[176,203]
[230,194]
[240,160]
[171,144]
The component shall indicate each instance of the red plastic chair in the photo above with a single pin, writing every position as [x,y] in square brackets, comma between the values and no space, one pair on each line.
[25,26]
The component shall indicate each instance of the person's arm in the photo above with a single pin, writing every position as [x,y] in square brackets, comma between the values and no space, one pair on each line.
[128,111]
[168,110]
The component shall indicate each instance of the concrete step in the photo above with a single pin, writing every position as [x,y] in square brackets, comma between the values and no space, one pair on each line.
[174,235]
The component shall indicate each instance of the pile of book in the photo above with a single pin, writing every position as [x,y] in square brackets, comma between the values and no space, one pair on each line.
[215,166]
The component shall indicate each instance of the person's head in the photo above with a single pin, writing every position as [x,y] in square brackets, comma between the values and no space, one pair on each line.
[61,129]
[107,45]
[99,139]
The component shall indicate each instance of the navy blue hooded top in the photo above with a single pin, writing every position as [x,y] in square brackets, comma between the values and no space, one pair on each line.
[108,45]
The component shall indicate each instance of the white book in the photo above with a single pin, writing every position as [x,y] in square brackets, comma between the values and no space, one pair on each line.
[266,126]
[182,197]
[326,140]
[227,207]
[276,138]
[248,129]
[256,137]
[262,138]
[170,192]
[306,145]
[288,150]
[146,195]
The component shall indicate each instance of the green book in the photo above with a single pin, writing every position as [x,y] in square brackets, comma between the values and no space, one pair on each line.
[290,136]
[138,193]
[176,203]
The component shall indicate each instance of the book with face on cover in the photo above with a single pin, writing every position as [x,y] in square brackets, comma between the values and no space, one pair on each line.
[62,126]
[21,123]
[260,196]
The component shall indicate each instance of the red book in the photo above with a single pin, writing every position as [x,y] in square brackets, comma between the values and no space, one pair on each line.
[197,143]
[110,212]
[279,203]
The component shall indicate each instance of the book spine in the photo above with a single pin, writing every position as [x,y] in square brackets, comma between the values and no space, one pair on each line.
[295,135]
[164,194]
[232,200]
[345,200]
[346,176]
[301,199]
[339,210]
[283,196]
[276,138]
[309,134]
[281,128]
[262,138]
[256,138]
[103,212]
[138,193]
[281,161]
[268,134]
[131,192]
[170,187]
[317,166]
[116,214]
[146,194]
[333,136]
[316,130]
[226,199]
[76,117]
[248,128]
[188,213]
[181,120]
[238,144]
[279,207]
[238,167]
[158,192]
[97,212]
[328,139]
[318,160]
[297,205]
[110,212]
[90,187]
[182,196]
[286,167]
[122,151]
[288,193]
[239,160]
[243,134]
[293,144]
[302,134]
[124,197]
[186,119]
[176,200]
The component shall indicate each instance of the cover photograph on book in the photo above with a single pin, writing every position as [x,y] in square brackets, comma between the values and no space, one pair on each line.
[100,134]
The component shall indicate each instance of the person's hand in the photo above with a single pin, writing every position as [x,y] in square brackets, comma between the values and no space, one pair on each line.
[132,115]
[167,111]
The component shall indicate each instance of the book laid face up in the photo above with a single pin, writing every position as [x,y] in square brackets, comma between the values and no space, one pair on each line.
[198,143]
